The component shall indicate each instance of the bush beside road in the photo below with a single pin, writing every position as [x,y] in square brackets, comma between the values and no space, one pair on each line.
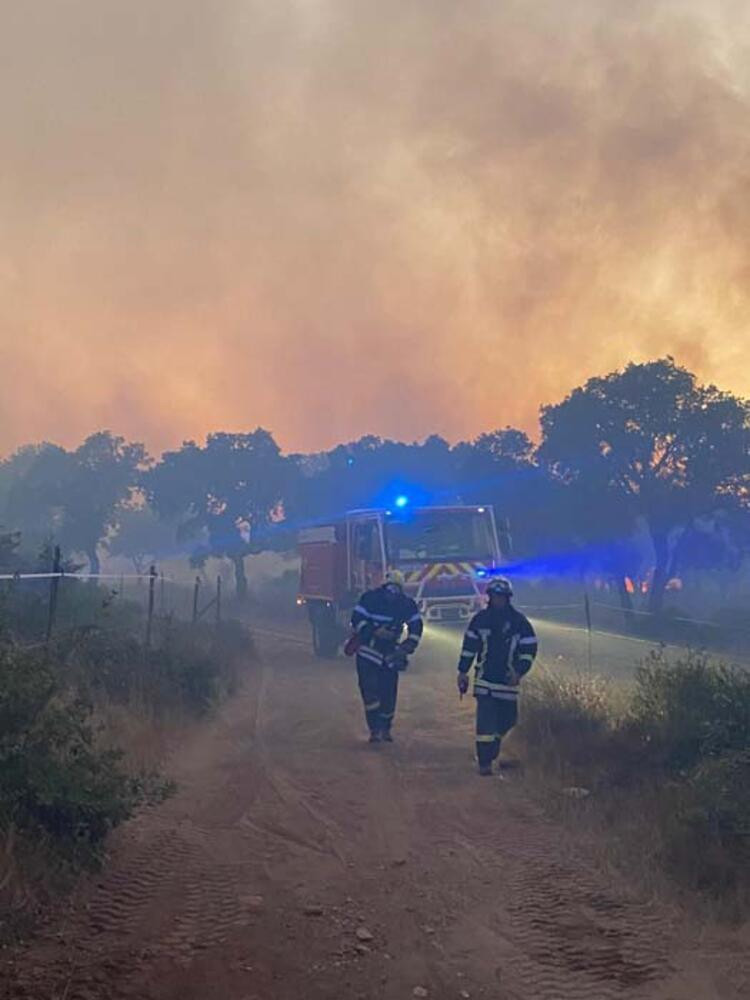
[662,764]
[83,723]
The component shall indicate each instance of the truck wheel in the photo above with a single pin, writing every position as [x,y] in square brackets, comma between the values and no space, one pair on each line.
[325,632]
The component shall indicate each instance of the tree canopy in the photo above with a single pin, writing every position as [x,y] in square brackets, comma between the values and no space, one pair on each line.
[643,452]
[648,442]
[224,494]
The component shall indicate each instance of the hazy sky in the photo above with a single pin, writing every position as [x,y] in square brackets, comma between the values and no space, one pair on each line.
[333,217]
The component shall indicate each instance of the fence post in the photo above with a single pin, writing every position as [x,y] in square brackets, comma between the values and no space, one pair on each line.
[196,591]
[587,609]
[218,600]
[162,596]
[54,586]
[151,594]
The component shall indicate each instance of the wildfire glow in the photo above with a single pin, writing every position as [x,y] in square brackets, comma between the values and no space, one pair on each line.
[337,218]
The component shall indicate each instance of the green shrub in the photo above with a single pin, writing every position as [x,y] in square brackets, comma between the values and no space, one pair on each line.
[53,777]
[673,751]
[690,709]
[57,778]
[190,667]
[705,826]
[196,666]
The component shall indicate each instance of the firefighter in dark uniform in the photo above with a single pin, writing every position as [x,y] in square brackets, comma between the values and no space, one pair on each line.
[379,621]
[503,643]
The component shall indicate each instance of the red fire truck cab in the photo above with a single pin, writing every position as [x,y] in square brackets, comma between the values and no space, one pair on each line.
[445,554]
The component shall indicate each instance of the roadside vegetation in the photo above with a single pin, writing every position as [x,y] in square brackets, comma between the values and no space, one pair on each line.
[661,766]
[84,722]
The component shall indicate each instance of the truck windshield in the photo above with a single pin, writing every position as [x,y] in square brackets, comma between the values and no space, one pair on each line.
[445,534]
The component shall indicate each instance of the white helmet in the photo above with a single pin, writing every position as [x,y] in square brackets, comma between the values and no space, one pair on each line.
[500,585]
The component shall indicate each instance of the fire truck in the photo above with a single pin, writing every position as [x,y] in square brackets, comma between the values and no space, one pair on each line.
[445,553]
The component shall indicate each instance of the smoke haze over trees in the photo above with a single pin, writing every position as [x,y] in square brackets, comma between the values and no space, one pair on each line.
[647,452]
[213,210]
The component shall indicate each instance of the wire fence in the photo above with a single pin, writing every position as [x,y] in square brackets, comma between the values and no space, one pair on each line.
[37,608]
[41,607]
[722,635]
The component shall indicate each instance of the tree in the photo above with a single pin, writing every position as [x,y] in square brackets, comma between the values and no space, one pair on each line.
[68,497]
[102,473]
[31,483]
[648,442]
[9,544]
[141,536]
[231,491]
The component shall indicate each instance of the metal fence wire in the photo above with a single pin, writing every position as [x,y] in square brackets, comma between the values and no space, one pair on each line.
[599,618]
[37,608]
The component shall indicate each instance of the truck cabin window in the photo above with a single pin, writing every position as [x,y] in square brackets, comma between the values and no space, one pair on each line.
[441,535]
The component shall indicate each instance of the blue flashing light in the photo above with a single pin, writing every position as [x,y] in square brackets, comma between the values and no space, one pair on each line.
[401,501]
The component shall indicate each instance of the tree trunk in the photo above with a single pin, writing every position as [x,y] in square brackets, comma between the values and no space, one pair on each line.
[662,571]
[240,578]
[95,567]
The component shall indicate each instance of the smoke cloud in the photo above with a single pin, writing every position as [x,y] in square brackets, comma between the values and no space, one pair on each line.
[334,217]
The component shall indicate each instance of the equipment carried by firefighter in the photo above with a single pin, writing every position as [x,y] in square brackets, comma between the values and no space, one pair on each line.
[352,644]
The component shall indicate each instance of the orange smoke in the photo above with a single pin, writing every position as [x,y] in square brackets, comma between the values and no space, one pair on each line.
[375,216]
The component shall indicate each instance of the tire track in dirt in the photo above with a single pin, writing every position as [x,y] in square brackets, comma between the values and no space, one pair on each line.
[107,935]
[464,883]
[578,940]
[560,928]
[162,897]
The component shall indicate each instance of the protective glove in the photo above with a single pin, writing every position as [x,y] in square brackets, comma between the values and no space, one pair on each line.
[463,683]
[408,646]
[398,660]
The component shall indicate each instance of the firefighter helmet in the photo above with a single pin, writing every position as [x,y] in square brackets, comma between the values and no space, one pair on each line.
[395,578]
[500,585]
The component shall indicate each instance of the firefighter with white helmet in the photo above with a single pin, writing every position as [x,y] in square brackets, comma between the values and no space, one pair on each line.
[503,643]
[379,622]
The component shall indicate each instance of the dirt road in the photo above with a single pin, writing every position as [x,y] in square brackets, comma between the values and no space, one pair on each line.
[297,862]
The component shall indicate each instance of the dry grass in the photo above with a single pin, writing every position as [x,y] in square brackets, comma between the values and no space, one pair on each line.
[666,765]
[144,737]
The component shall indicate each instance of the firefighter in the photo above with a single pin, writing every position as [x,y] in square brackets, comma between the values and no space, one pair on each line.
[503,643]
[378,621]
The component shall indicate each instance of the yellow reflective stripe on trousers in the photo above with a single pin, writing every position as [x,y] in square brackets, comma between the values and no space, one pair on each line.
[371,705]
[485,739]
